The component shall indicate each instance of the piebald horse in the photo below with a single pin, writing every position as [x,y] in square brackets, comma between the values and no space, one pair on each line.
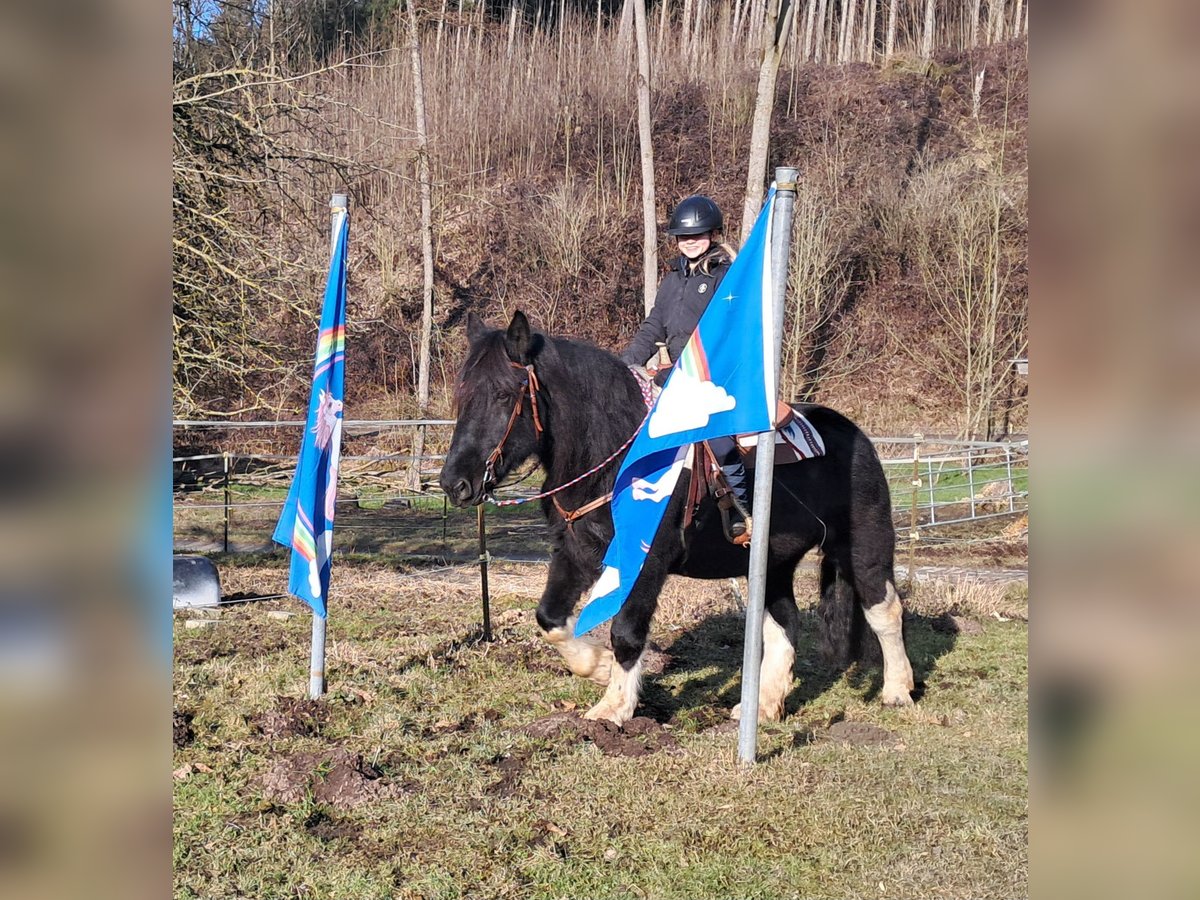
[570,404]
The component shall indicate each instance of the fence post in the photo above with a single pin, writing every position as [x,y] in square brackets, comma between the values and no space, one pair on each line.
[1012,491]
[225,467]
[483,577]
[913,534]
[971,477]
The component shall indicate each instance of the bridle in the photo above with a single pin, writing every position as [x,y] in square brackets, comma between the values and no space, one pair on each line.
[531,386]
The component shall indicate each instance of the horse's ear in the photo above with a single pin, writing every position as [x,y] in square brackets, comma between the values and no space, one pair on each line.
[475,327]
[518,340]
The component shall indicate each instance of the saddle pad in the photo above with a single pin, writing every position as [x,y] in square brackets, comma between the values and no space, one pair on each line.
[794,441]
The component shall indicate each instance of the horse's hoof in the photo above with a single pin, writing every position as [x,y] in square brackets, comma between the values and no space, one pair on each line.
[899,697]
[603,711]
[764,714]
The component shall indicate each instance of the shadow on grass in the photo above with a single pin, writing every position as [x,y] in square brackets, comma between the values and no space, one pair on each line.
[706,663]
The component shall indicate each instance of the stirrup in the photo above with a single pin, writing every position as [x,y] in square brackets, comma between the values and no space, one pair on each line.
[735,520]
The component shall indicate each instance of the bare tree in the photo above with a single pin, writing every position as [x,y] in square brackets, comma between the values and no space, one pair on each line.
[414,49]
[775,30]
[889,46]
[649,222]
[927,33]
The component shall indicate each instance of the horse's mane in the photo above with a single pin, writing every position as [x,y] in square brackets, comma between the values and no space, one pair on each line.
[488,362]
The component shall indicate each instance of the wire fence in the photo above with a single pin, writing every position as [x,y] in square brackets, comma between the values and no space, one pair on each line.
[231,479]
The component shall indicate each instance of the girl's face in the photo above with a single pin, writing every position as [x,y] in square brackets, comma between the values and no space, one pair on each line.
[693,246]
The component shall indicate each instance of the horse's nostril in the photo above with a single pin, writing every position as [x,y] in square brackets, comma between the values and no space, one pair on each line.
[462,490]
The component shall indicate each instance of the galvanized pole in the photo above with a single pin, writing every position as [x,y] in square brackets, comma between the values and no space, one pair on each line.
[316,670]
[764,468]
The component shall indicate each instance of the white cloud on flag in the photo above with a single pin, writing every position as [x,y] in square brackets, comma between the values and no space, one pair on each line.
[687,403]
[609,581]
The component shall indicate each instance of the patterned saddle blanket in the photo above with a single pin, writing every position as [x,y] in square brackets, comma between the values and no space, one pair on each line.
[795,439]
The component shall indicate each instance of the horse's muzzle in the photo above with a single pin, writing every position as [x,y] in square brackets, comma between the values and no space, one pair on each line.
[460,491]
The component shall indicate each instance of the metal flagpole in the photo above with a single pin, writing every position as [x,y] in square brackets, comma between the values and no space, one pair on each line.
[764,468]
[316,670]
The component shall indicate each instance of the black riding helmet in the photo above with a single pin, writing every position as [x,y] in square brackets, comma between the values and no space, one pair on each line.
[695,215]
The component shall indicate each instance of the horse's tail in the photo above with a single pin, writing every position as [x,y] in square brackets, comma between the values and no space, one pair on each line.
[844,634]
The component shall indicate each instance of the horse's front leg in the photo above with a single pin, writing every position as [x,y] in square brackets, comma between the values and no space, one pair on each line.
[630,630]
[585,657]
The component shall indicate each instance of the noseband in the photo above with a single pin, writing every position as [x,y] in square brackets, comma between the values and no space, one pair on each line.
[529,386]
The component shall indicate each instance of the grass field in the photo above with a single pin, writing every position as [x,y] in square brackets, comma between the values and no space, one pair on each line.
[440,766]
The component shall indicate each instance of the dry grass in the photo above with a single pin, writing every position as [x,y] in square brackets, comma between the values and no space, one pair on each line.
[463,800]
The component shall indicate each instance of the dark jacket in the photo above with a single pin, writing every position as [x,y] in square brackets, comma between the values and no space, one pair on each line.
[681,301]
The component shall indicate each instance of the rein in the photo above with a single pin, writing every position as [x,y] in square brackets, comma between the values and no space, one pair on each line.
[569,516]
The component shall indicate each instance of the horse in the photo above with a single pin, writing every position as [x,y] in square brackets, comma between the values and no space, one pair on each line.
[571,404]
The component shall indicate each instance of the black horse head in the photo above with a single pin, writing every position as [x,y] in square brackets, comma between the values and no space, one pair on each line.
[496,430]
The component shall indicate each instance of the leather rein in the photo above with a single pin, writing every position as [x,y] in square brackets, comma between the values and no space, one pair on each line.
[531,387]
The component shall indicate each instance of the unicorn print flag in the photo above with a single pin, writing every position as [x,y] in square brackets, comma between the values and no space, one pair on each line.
[720,385]
[306,524]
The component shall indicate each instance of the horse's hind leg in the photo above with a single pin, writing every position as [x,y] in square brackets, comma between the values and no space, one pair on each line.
[885,615]
[780,627]
[585,656]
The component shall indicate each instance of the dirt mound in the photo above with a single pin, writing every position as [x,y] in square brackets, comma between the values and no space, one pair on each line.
[182,733]
[336,777]
[292,717]
[860,734]
[640,736]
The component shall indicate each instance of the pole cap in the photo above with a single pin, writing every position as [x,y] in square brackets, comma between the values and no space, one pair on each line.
[786,178]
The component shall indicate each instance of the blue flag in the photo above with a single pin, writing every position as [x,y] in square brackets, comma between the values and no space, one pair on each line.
[306,524]
[720,385]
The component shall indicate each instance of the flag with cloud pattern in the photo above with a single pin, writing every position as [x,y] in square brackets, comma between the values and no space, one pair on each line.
[721,384]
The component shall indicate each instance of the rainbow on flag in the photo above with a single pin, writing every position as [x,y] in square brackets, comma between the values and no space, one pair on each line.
[306,524]
[721,384]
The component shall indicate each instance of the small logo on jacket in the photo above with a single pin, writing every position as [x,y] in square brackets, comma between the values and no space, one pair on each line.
[702,288]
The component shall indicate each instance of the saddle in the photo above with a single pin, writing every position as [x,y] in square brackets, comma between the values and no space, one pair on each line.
[795,439]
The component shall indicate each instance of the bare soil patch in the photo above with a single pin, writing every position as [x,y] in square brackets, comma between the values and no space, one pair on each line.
[182,732]
[640,736]
[335,777]
[859,734]
[292,717]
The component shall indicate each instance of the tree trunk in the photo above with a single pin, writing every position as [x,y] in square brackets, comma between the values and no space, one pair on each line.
[927,33]
[973,28]
[414,46]
[1017,15]
[624,31]
[868,44]
[995,21]
[512,30]
[810,9]
[773,41]
[822,33]
[850,12]
[649,223]
[685,33]
[889,44]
